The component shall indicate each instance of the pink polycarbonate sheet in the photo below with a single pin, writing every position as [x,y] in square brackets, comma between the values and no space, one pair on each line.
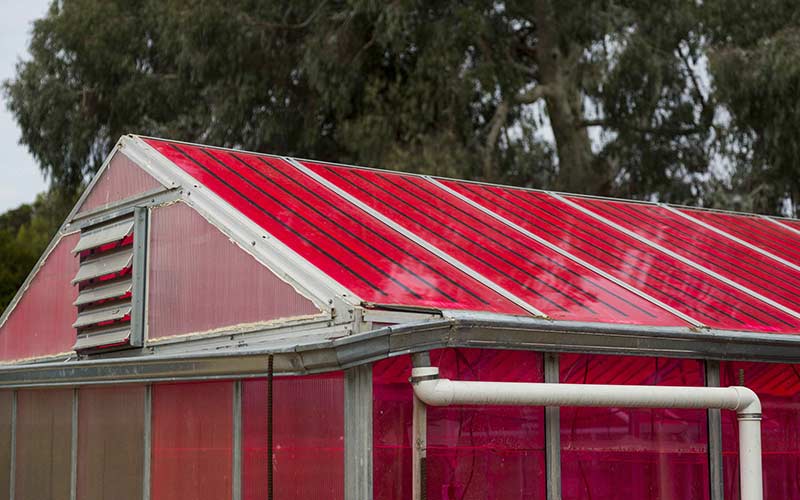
[473,452]
[774,238]
[793,224]
[40,324]
[366,256]
[706,299]
[637,454]
[778,388]
[554,284]
[122,179]
[199,280]
[722,255]
[308,438]
[192,441]
[43,458]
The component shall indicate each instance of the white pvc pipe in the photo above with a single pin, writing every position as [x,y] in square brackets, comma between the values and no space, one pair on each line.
[443,392]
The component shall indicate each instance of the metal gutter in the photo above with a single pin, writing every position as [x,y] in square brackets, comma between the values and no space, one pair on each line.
[470,330]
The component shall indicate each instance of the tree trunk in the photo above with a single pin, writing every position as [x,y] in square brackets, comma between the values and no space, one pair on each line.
[578,170]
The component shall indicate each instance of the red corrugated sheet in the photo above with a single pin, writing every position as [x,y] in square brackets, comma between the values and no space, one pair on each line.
[122,179]
[186,297]
[41,322]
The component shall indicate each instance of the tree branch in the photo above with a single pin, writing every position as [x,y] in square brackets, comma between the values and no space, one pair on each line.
[495,126]
[533,95]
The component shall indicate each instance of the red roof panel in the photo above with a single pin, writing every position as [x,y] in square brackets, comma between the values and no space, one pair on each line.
[554,284]
[369,258]
[688,290]
[703,246]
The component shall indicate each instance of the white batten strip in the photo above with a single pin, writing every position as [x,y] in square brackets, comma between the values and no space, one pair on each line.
[419,241]
[781,224]
[567,254]
[678,257]
[732,237]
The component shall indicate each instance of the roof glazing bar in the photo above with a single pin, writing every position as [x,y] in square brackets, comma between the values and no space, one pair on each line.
[565,253]
[480,278]
[781,224]
[676,256]
[728,235]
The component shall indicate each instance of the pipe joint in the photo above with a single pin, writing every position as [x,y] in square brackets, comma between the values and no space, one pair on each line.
[748,405]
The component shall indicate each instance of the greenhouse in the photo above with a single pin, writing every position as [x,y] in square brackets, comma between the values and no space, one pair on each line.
[216,324]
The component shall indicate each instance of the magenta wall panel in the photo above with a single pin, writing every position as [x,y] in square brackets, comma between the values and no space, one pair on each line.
[703,246]
[308,442]
[688,290]
[490,453]
[372,260]
[778,387]
[189,255]
[41,322]
[192,441]
[552,283]
[633,454]
[756,230]
[122,179]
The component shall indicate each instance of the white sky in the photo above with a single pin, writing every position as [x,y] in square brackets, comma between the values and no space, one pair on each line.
[20,179]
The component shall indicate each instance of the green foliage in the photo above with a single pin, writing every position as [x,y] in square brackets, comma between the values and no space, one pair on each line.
[24,234]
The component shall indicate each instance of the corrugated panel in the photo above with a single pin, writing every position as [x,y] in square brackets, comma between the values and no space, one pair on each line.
[542,277]
[188,254]
[722,255]
[374,261]
[120,289]
[103,235]
[41,322]
[688,290]
[44,444]
[105,265]
[758,231]
[192,441]
[110,444]
[122,179]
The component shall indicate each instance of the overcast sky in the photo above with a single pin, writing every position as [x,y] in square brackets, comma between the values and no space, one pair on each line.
[20,179]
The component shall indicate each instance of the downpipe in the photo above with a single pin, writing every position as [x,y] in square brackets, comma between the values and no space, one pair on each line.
[434,391]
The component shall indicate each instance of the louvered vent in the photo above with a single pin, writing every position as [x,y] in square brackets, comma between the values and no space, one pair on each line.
[108,281]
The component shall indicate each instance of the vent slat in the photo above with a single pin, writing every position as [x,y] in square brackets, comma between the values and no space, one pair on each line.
[114,290]
[103,338]
[104,235]
[102,266]
[97,316]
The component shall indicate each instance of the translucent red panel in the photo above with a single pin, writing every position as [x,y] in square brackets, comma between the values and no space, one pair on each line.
[703,246]
[473,452]
[369,258]
[778,387]
[6,409]
[43,459]
[110,444]
[688,290]
[636,454]
[763,233]
[122,179]
[192,441]
[189,254]
[542,277]
[40,324]
[790,223]
[308,438]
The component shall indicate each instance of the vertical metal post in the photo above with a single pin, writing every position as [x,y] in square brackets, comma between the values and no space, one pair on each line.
[236,472]
[73,477]
[715,472]
[12,477]
[270,436]
[139,276]
[148,428]
[358,433]
[552,434]
[419,450]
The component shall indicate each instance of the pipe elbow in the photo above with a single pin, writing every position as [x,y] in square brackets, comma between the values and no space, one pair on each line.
[438,392]
[748,405]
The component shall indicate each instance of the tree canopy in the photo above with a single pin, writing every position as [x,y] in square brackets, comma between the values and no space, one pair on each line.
[616,97]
